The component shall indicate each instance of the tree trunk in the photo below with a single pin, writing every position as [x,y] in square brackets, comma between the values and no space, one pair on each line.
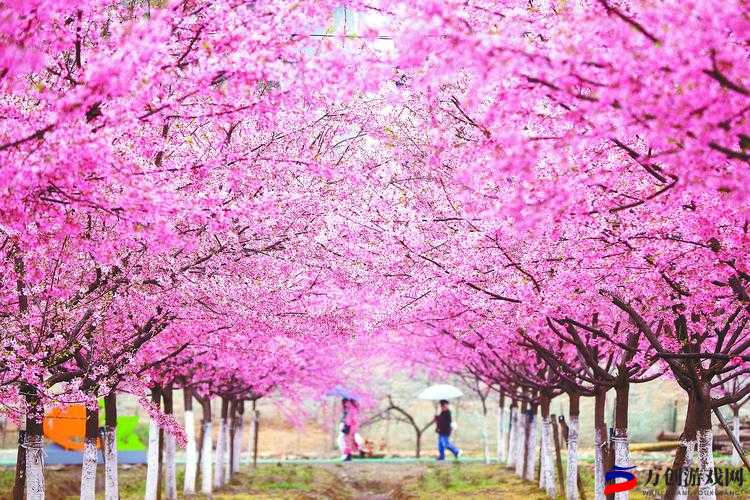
[152,460]
[705,441]
[228,424]
[620,443]
[256,430]
[237,440]
[418,442]
[191,452]
[572,480]
[521,442]
[542,458]
[684,455]
[736,431]
[206,448]
[232,435]
[501,450]
[19,487]
[485,434]
[109,436]
[558,455]
[34,445]
[531,433]
[547,478]
[88,466]
[512,424]
[160,476]
[220,445]
[707,491]
[170,446]
[600,442]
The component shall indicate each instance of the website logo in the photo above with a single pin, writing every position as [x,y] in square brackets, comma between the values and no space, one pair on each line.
[618,472]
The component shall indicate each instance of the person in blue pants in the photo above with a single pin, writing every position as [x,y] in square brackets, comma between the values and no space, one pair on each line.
[444,428]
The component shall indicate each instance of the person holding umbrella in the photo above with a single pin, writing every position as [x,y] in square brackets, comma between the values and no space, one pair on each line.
[444,427]
[350,428]
[443,421]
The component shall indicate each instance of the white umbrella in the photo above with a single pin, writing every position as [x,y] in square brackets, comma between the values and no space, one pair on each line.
[440,391]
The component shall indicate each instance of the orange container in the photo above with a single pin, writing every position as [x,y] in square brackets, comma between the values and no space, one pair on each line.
[66,427]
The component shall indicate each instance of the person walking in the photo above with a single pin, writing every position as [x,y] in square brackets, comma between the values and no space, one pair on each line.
[351,426]
[444,427]
[341,437]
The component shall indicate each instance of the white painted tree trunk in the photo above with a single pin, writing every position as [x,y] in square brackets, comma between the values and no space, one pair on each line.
[152,461]
[548,475]
[736,431]
[690,448]
[511,457]
[530,473]
[191,454]
[520,443]
[501,451]
[227,466]
[170,470]
[572,483]
[622,456]
[706,464]
[238,446]
[219,460]
[206,460]
[88,470]
[34,467]
[542,455]
[599,482]
[111,480]
[485,438]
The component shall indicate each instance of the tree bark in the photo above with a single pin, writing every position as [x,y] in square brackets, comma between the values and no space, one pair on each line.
[152,460]
[572,480]
[558,455]
[620,443]
[501,449]
[237,440]
[521,442]
[170,447]
[512,424]
[704,435]
[684,455]
[111,478]
[547,478]
[34,445]
[206,448]
[256,430]
[736,431]
[220,445]
[532,433]
[19,487]
[600,442]
[191,451]
[485,434]
[228,424]
[88,465]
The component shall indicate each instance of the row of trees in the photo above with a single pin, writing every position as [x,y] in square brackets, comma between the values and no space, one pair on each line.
[238,198]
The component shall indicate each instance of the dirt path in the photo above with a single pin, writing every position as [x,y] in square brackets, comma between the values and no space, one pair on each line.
[378,481]
[370,481]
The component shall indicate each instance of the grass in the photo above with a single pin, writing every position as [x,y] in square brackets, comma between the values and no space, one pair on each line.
[345,481]
[471,481]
